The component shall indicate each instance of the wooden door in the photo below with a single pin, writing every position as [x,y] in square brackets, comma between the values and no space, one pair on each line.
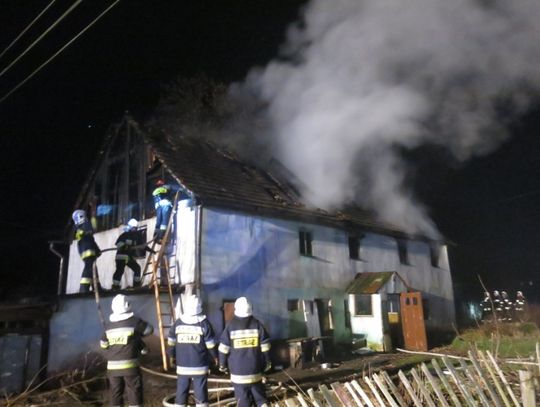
[412,321]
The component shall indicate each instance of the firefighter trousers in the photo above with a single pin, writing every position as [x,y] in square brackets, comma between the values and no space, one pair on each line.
[243,393]
[133,387]
[120,266]
[87,274]
[200,389]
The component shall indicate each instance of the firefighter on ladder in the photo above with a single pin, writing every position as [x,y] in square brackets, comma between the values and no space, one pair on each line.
[125,255]
[163,205]
[122,342]
[87,247]
[244,350]
[192,345]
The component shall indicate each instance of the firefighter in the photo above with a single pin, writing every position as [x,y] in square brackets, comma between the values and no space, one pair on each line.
[485,306]
[87,247]
[122,341]
[125,255]
[497,305]
[192,345]
[244,350]
[507,307]
[163,204]
[520,305]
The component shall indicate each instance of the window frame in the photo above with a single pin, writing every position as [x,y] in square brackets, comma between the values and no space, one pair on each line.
[363,296]
[305,242]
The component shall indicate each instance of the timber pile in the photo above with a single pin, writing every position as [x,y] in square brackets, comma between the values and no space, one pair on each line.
[471,382]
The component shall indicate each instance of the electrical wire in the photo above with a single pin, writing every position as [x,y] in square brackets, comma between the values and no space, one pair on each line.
[27,28]
[68,11]
[59,51]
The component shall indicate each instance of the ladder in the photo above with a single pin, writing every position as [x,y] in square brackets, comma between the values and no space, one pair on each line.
[164,307]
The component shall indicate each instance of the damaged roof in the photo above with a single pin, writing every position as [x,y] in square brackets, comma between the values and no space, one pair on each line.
[219,179]
[369,283]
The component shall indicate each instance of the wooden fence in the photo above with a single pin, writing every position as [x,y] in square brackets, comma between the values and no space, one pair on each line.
[476,381]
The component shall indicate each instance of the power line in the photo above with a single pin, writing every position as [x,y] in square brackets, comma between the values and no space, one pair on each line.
[59,51]
[27,28]
[69,10]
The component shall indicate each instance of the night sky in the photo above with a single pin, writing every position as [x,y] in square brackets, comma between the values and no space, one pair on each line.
[50,129]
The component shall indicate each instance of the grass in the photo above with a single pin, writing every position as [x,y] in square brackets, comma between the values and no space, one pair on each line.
[514,339]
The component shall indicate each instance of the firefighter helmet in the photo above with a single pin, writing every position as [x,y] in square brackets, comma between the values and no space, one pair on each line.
[519,294]
[79,217]
[193,306]
[160,182]
[120,304]
[133,224]
[495,293]
[242,307]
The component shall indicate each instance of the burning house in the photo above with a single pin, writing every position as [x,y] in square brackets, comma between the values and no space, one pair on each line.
[239,230]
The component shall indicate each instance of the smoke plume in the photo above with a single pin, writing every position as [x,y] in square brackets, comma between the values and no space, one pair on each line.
[358,80]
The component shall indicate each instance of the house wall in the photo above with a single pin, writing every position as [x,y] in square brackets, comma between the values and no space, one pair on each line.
[185,252]
[259,258]
[75,331]
[369,325]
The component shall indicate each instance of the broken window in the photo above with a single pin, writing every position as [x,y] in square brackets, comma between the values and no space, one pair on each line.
[293,305]
[434,253]
[354,247]
[305,239]
[362,305]
[402,251]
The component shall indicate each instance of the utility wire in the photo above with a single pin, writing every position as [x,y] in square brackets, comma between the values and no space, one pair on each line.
[59,51]
[27,28]
[69,10]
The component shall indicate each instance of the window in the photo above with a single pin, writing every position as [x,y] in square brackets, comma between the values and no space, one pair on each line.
[305,240]
[293,305]
[434,252]
[362,305]
[354,247]
[347,314]
[402,251]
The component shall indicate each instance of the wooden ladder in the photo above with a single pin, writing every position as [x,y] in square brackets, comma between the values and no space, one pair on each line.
[164,307]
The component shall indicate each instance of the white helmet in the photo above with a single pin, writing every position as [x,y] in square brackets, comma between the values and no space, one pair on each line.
[519,293]
[120,304]
[495,293]
[79,217]
[133,224]
[193,306]
[242,307]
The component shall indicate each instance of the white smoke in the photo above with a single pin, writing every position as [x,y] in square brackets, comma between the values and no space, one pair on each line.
[362,78]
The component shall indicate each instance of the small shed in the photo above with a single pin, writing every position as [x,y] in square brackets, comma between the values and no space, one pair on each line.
[374,308]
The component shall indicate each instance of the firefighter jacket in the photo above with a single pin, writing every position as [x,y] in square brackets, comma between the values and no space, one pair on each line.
[520,303]
[125,243]
[87,246]
[122,341]
[498,303]
[162,196]
[244,348]
[191,342]
[486,305]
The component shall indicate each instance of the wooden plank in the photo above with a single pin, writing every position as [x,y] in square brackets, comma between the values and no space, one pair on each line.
[503,379]
[425,392]
[362,393]
[382,385]
[353,394]
[526,383]
[342,394]
[484,380]
[329,396]
[474,382]
[409,389]
[445,383]
[374,391]
[458,382]
[393,389]
[291,402]
[301,400]
[435,385]
[494,379]
[314,398]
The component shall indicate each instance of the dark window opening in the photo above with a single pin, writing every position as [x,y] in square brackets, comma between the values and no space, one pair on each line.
[305,240]
[362,305]
[354,247]
[347,314]
[425,306]
[434,252]
[402,251]
[293,305]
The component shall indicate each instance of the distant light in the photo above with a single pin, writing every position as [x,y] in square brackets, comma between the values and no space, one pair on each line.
[89,126]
